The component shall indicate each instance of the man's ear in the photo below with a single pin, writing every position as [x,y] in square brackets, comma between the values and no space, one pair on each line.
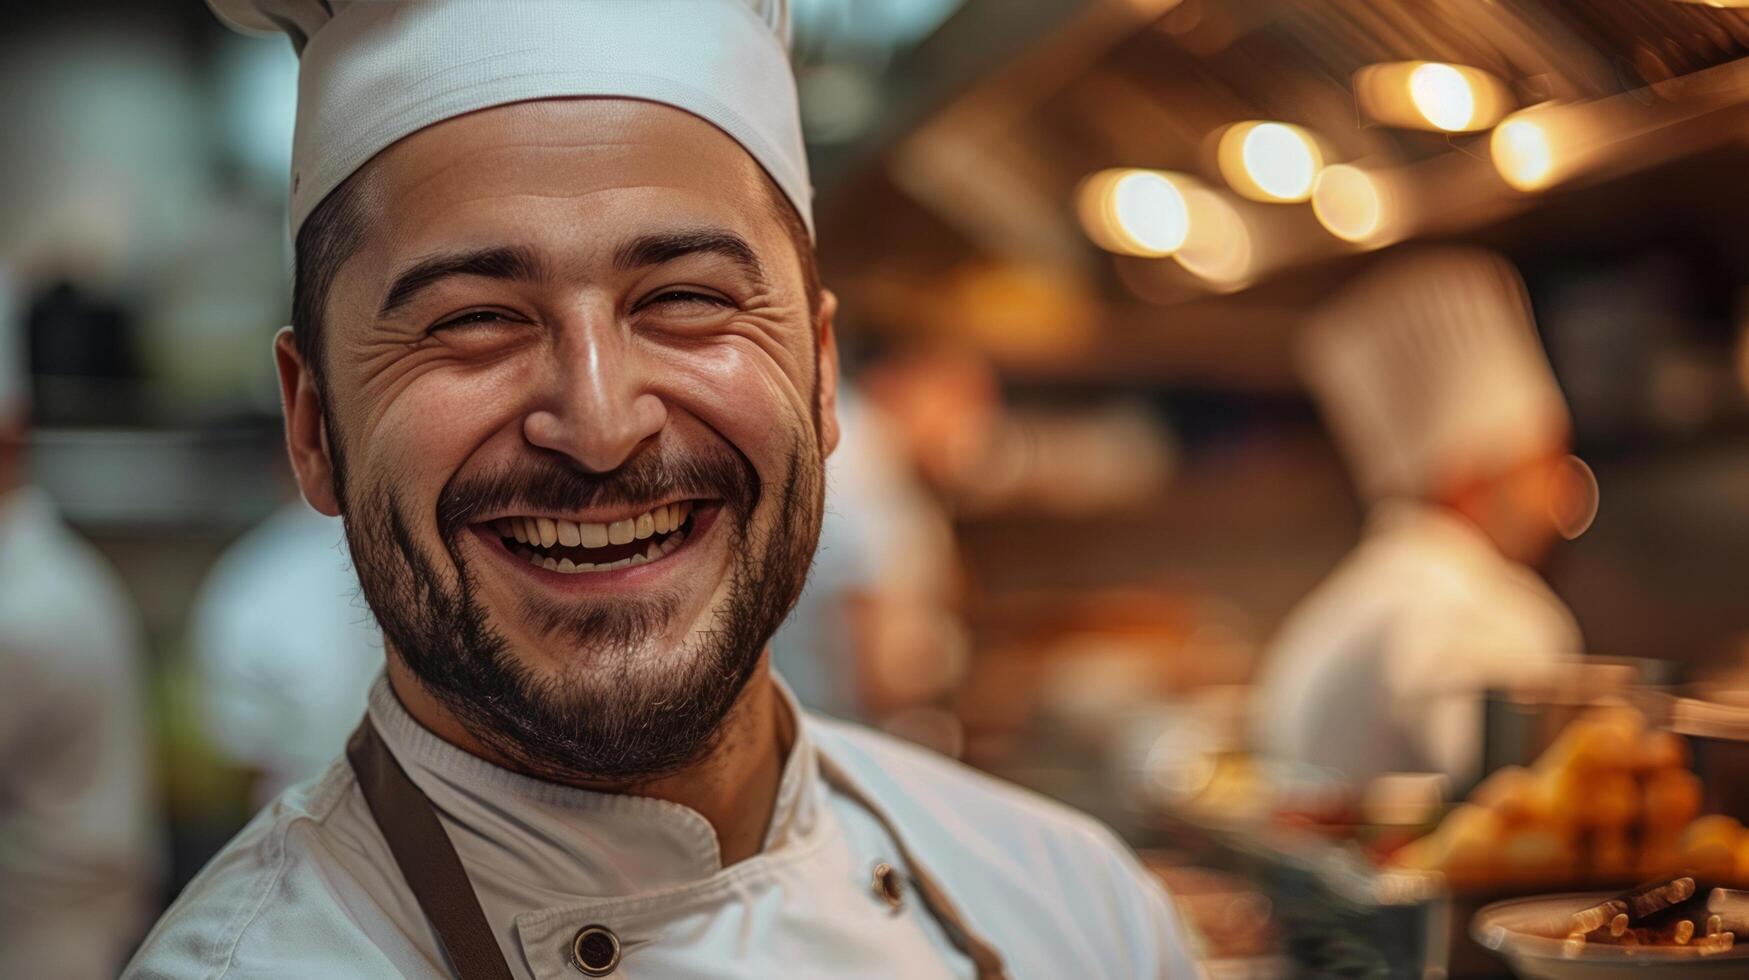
[306,439]
[828,368]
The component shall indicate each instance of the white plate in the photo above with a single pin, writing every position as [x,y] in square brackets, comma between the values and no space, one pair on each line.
[1530,934]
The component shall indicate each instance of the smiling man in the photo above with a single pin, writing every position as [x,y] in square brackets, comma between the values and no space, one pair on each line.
[561,360]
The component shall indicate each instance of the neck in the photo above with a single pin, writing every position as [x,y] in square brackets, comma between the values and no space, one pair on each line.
[734,786]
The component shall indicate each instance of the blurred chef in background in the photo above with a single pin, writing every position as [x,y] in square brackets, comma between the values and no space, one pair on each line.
[1432,379]
[79,856]
[875,632]
[285,648]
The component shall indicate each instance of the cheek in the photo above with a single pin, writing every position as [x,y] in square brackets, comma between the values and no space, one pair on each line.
[760,407]
[432,425]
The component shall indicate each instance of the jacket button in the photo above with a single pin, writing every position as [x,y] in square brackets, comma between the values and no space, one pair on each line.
[595,951]
[889,885]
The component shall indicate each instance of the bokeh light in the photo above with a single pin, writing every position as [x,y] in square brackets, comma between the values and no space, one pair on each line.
[1218,249]
[1270,161]
[1352,204]
[1443,96]
[1134,212]
[1524,153]
[1432,95]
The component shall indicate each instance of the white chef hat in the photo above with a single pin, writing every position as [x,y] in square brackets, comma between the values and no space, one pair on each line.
[1429,367]
[373,71]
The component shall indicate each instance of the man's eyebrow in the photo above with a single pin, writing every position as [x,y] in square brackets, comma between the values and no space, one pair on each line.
[654,249]
[496,262]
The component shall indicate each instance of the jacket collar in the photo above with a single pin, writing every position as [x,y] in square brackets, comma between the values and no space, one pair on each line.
[581,841]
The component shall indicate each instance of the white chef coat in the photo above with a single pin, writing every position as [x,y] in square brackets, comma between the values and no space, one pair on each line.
[285,647]
[310,889]
[1383,667]
[79,853]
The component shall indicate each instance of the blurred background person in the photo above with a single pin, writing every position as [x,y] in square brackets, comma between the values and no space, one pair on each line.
[875,632]
[79,852]
[285,650]
[1432,379]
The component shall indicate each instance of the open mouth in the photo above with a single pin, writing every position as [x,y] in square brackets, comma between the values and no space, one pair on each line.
[573,548]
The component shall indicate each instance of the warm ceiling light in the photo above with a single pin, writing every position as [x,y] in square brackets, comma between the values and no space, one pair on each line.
[1150,211]
[1269,161]
[1134,212]
[1432,95]
[1218,250]
[1524,153]
[1352,204]
[1443,96]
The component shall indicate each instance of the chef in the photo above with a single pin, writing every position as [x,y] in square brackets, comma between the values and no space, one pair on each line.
[283,648]
[1432,380]
[79,854]
[560,360]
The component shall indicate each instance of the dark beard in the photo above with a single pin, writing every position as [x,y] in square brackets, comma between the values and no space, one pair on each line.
[603,720]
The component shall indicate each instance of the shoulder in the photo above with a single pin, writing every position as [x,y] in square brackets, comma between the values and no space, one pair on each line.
[1036,875]
[294,894]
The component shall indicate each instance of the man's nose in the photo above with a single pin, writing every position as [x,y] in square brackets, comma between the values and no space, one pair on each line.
[600,408]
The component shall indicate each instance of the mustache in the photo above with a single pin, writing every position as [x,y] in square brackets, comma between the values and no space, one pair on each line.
[549,484]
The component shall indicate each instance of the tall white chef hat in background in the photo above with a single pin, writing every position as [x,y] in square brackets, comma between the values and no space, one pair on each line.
[373,71]
[1429,368]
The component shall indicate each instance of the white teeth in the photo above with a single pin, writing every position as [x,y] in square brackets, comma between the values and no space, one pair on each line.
[545,532]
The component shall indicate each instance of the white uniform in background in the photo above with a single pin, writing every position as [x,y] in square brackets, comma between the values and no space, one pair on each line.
[1379,669]
[310,889]
[80,855]
[880,534]
[1427,368]
[285,648]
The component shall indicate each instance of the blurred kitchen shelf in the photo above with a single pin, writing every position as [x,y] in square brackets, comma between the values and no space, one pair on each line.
[214,482]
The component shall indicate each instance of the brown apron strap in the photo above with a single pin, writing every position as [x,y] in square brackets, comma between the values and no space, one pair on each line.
[426,857]
[983,955]
[428,861]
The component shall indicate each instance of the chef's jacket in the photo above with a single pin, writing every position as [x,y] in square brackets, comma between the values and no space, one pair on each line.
[1383,667]
[310,889]
[79,852]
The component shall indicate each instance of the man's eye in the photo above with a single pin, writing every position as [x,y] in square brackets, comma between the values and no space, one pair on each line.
[471,319]
[686,296]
